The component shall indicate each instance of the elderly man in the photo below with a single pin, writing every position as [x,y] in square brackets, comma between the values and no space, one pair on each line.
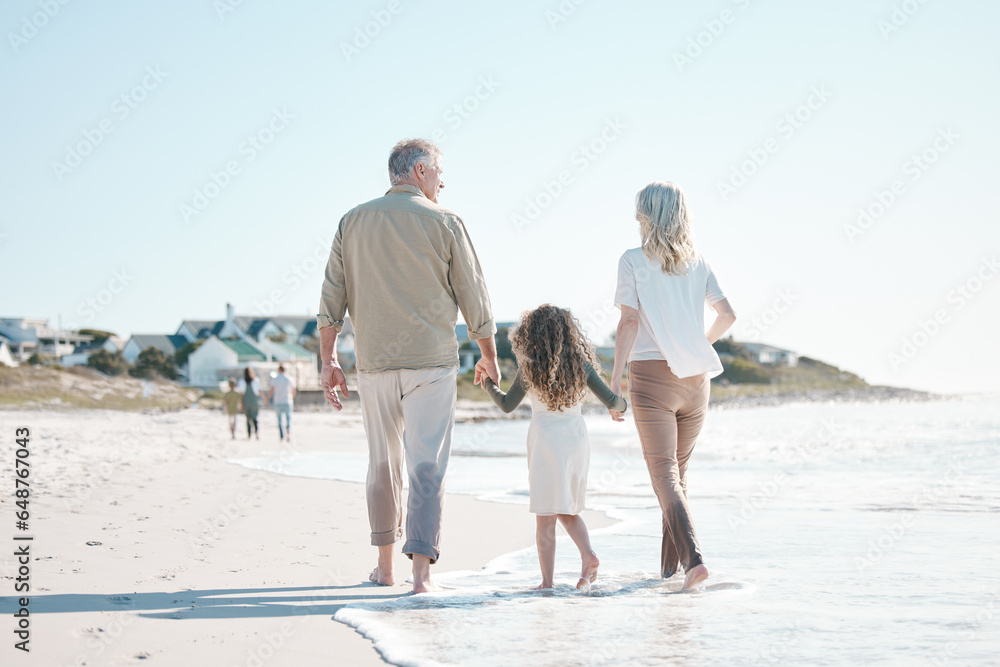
[402,266]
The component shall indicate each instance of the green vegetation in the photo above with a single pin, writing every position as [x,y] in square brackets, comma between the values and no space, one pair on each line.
[151,363]
[729,346]
[181,355]
[743,371]
[41,359]
[109,363]
[746,378]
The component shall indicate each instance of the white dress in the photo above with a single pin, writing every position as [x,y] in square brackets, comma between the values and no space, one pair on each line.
[558,459]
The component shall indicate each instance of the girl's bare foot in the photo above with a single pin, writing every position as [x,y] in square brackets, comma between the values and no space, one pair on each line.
[381,578]
[588,574]
[695,576]
[542,586]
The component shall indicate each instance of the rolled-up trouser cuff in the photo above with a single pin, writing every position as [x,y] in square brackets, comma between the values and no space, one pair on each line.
[390,537]
[414,547]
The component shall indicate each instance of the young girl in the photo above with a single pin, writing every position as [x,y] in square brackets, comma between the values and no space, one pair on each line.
[556,366]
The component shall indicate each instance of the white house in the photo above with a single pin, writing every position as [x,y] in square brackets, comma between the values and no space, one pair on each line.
[215,360]
[297,329]
[768,355]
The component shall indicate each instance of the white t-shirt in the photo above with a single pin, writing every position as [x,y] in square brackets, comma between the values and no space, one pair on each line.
[282,387]
[671,312]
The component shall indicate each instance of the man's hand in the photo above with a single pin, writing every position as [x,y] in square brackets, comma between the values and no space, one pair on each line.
[487,368]
[333,379]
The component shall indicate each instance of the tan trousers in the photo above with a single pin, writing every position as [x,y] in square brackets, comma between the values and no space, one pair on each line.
[669,413]
[408,413]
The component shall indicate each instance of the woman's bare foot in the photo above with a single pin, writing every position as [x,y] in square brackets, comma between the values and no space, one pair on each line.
[588,574]
[378,576]
[695,576]
[542,586]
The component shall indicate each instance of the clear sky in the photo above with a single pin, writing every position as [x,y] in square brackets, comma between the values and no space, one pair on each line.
[780,120]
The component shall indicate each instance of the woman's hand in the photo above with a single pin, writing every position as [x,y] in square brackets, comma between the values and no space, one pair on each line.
[617,416]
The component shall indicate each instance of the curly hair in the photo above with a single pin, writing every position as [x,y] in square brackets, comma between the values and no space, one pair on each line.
[553,352]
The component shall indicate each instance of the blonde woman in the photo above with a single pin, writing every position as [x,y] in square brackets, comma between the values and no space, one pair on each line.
[663,287]
[556,365]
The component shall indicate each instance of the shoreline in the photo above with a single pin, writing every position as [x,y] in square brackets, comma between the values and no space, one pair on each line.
[140,518]
[475,411]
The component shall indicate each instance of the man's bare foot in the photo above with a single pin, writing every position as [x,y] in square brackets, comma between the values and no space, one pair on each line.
[542,586]
[381,577]
[422,575]
[588,574]
[426,586]
[695,576]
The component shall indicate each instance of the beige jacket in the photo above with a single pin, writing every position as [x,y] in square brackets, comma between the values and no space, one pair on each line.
[403,266]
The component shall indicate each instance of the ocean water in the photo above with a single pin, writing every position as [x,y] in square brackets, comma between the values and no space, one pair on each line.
[835,534]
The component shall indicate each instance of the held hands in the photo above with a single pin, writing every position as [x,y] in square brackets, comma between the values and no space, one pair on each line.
[615,415]
[487,368]
[334,379]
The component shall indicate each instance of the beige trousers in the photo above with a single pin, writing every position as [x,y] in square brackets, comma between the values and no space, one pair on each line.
[408,413]
[669,413]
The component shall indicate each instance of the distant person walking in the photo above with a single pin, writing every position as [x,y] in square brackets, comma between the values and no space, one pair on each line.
[402,265]
[281,394]
[231,403]
[663,287]
[250,400]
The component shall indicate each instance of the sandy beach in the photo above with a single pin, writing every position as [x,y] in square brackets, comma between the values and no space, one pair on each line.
[139,521]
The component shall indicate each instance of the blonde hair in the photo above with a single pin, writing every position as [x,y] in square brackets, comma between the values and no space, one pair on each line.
[665,226]
[553,352]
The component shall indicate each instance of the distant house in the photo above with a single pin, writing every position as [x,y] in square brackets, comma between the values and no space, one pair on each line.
[81,353]
[166,343]
[217,359]
[768,355]
[30,335]
[299,329]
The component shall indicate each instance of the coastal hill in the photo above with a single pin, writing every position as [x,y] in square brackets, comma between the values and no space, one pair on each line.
[758,374]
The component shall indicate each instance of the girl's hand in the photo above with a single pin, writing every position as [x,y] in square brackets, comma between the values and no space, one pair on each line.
[617,416]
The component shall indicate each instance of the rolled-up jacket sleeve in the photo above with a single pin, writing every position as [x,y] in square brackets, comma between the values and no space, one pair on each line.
[333,300]
[468,285]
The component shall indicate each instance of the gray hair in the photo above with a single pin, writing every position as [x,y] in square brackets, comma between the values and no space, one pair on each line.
[407,153]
